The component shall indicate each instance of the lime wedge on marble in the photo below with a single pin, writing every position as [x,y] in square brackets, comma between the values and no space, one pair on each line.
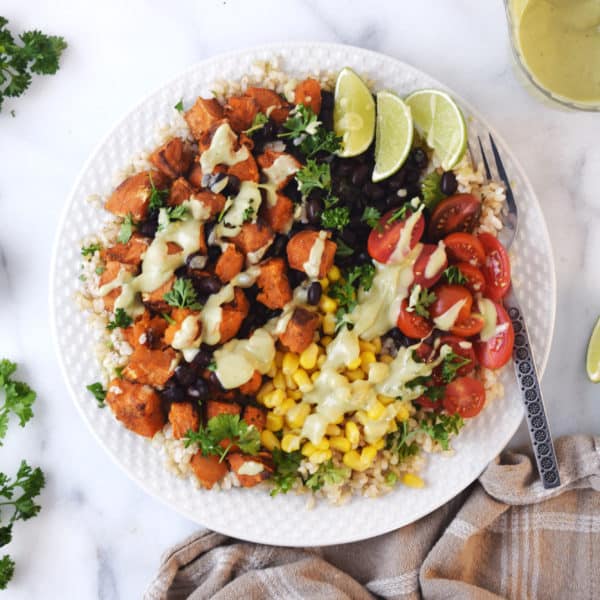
[353,113]
[441,123]
[592,363]
[393,135]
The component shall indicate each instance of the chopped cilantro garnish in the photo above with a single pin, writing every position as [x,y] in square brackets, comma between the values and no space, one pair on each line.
[98,392]
[120,319]
[183,295]
[335,218]
[126,230]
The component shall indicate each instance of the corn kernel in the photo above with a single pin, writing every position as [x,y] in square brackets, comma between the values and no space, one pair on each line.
[392,427]
[290,442]
[279,381]
[274,398]
[402,413]
[269,440]
[333,430]
[352,459]
[376,411]
[308,449]
[302,380]
[320,457]
[290,383]
[329,324]
[323,444]
[361,416]
[378,372]
[314,375]
[379,444]
[327,304]
[334,274]
[308,358]
[295,394]
[279,358]
[325,341]
[274,422]
[338,420]
[321,360]
[366,346]
[297,414]
[283,408]
[352,433]
[324,283]
[387,359]
[290,363]
[340,443]
[264,390]
[368,454]
[272,371]
[377,343]
[386,399]
[355,375]
[367,358]
[412,480]
[353,364]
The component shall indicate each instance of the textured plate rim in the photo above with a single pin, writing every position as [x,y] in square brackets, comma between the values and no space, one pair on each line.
[274,48]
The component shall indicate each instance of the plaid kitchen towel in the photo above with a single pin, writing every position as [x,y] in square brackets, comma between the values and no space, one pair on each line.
[504,537]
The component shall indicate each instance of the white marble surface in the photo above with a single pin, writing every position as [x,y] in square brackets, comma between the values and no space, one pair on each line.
[98,535]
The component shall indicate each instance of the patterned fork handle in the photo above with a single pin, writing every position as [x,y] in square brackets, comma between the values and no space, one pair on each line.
[527,378]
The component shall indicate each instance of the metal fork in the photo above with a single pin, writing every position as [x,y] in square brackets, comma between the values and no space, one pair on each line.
[524,362]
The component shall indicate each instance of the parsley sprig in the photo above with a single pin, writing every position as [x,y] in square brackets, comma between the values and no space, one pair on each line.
[183,295]
[37,53]
[286,470]
[420,300]
[399,214]
[259,121]
[158,198]
[335,217]
[120,320]
[18,398]
[454,275]
[89,251]
[308,133]
[224,427]
[127,227]
[345,289]
[452,363]
[371,217]
[98,392]
[431,190]
[313,176]
[327,474]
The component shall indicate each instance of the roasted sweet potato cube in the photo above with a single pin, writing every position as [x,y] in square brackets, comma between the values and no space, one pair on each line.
[279,216]
[299,249]
[130,253]
[173,158]
[183,416]
[137,406]
[253,237]
[146,331]
[270,103]
[233,315]
[229,264]
[245,170]
[156,299]
[208,469]
[214,408]
[252,386]
[111,271]
[133,194]
[300,330]
[251,470]
[308,92]
[178,316]
[240,112]
[282,178]
[253,415]
[275,290]
[204,113]
[195,175]
[152,367]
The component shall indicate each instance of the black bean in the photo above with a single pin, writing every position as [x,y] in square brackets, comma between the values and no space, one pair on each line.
[361,175]
[216,182]
[207,285]
[393,201]
[196,260]
[418,157]
[296,277]
[397,179]
[349,236]
[314,208]
[185,374]
[344,168]
[214,380]
[202,359]
[233,186]
[412,176]
[148,227]
[326,100]
[373,191]
[326,117]
[398,338]
[291,191]
[173,393]
[448,184]
[213,253]
[314,293]
[363,257]
[413,191]
[198,390]
[277,248]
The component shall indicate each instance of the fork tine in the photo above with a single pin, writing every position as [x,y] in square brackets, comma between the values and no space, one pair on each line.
[510,199]
[485,162]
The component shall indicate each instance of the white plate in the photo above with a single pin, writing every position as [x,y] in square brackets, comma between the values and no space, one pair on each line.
[253,514]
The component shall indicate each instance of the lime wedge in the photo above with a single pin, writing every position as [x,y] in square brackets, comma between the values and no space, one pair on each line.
[441,123]
[353,113]
[592,363]
[393,135]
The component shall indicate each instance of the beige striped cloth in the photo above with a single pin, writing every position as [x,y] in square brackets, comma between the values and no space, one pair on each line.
[504,537]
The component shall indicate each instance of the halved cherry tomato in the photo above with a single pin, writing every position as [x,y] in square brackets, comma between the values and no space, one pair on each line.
[475,281]
[465,396]
[464,247]
[496,352]
[383,239]
[447,296]
[424,352]
[471,326]
[428,274]
[462,348]
[426,402]
[411,324]
[496,268]
[455,213]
